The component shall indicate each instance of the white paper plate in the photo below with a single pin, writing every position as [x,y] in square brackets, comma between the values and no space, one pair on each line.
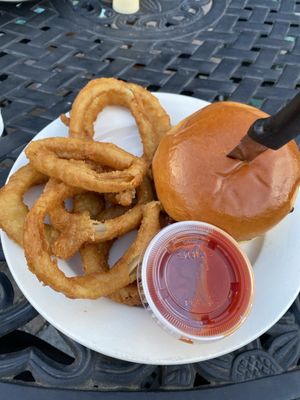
[130,333]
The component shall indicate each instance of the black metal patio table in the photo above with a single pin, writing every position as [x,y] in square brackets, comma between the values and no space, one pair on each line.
[241,50]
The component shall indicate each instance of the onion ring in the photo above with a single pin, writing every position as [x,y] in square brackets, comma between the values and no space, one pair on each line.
[51,157]
[74,230]
[13,211]
[152,120]
[88,202]
[77,229]
[153,110]
[113,211]
[128,295]
[89,286]
[94,257]
[123,198]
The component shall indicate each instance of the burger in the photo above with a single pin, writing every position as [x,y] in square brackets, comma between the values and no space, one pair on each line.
[195,180]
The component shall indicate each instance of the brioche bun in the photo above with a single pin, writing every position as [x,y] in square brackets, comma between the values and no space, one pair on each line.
[195,180]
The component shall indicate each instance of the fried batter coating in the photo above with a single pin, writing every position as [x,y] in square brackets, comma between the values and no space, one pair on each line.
[52,157]
[13,211]
[94,285]
[152,120]
[77,229]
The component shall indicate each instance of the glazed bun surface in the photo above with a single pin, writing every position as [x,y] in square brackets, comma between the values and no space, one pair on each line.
[195,180]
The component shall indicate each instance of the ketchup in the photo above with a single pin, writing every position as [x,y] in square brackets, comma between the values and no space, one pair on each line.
[198,280]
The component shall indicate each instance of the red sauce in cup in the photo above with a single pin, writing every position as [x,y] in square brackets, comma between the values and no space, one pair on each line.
[196,281]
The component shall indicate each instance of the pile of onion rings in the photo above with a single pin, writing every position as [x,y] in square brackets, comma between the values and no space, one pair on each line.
[110,190]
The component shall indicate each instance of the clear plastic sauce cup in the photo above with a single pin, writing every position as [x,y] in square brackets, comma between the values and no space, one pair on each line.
[196,281]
